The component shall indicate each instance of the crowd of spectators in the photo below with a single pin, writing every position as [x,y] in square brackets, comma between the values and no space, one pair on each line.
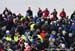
[37,33]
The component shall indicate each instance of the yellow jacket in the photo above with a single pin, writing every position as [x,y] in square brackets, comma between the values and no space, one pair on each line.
[32,26]
[8,38]
[16,38]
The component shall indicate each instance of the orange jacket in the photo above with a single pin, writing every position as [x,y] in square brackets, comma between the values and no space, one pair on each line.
[43,34]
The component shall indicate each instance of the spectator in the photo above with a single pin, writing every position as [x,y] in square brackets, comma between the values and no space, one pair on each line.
[54,13]
[29,12]
[39,13]
[46,13]
[5,12]
[63,13]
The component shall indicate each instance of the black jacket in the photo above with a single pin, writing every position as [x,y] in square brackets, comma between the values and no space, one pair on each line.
[73,16]
[29,13]
[39,13]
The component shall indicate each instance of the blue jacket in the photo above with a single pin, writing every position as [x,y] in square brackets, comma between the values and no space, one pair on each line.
[72,27]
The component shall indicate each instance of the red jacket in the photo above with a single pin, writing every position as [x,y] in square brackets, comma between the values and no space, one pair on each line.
[1,49]
[43,34]
[28,48]
[46,13]
[62,14]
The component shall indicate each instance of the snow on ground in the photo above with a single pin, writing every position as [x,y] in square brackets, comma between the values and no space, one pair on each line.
[17,6]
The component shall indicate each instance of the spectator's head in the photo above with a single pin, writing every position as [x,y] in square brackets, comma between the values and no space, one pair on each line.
[54,10]
[15,21]
[59,20]
[67,17]
[73,23]
[64,32]
[10,49]
[62,45]
[38,31]
[43,31]
[39,8]
[7,32]
[70,35]
[42,20]
[60,29]
[69,22]
[14,15]
[46,9]
[26,44]
[6,8]
[62,9]
[53,32]
[22,19]
[29,8]
[28,48]
[46,22]
[19,14]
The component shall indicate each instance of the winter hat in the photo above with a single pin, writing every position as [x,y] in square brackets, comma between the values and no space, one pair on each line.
[42,19]
[70,35]
[62,45]
[64,32]
[7,32]
[26,44]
